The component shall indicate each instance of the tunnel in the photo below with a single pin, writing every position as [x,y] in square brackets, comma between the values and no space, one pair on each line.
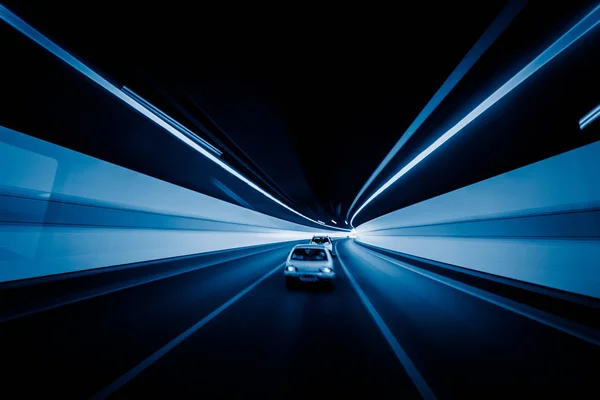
[209,200]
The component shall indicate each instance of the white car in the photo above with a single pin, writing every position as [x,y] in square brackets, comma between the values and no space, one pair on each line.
[309,263]
[324,241]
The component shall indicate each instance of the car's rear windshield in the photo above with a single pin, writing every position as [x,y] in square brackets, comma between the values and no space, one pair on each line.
[309,255]
[320,240]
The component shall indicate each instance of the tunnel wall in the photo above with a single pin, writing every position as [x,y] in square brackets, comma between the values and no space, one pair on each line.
[63,211]
[539,224]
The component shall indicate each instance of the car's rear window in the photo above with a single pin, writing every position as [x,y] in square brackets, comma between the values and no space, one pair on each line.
[309,255]
[320,240]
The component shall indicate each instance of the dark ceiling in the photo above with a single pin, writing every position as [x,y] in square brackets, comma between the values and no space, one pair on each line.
[305,101]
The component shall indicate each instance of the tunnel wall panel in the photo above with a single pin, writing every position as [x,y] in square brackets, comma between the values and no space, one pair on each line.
[30,251]
[63,211]
[538,224]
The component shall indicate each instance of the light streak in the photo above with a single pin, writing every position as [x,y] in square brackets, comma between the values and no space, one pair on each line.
[589,22]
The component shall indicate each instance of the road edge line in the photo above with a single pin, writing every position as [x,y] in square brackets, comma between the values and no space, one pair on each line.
[416,377]
[524,310]
[139,368]
[160,277]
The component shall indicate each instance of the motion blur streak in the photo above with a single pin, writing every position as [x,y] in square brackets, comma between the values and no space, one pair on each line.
[176,124]
[589,117]
[43,41]
[231,194]
[192,333]
[148,278]
[544,318]
[404,359]
[538,224]
[571,36]
[116,385]
[72,212]
[490,35]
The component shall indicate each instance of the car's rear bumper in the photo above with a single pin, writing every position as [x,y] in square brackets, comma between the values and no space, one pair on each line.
[309,276]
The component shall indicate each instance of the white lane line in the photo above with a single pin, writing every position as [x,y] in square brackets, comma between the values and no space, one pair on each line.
[135,371]
[401,355]
[161,276]
[563,325]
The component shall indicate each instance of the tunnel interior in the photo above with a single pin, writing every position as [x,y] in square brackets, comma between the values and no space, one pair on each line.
[228,201]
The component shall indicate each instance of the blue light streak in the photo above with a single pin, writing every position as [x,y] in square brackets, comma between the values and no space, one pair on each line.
[571,36]
[231,194]
[589,117]
[502,21]
[168,119]
[27,30]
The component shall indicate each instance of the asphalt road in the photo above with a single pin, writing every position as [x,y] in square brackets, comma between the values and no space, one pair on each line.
[234,330]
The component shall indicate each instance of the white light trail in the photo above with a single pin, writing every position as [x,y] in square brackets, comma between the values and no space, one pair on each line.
[502,21]
[170,120]
[27,30]
[589,117]
[571,36]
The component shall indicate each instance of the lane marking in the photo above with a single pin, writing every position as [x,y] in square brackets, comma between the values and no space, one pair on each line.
[135,371]
[401,355]
[165,275]
[563,325]
[489,277]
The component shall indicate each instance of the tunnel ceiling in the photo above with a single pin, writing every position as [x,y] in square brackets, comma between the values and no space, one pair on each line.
[307,102]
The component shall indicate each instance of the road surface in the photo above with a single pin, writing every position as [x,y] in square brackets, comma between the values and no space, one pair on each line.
[225,325]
